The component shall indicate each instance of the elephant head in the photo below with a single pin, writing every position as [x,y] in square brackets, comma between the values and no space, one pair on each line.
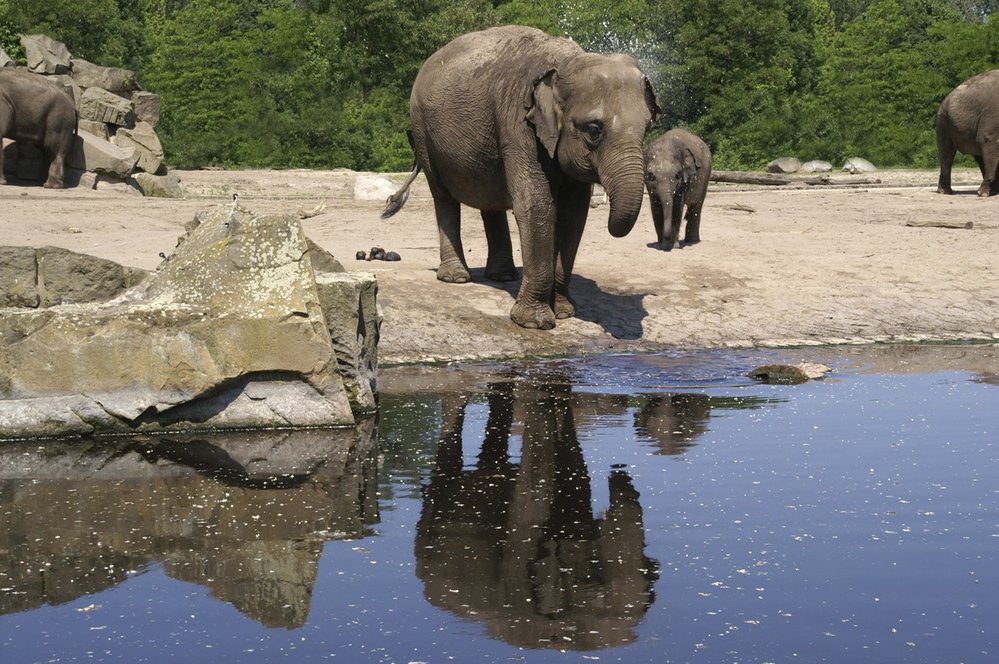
[591,115]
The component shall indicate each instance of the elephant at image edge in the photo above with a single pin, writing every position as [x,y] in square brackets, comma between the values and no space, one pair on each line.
[37,111]
[968,120]
[677,169]
[512,118]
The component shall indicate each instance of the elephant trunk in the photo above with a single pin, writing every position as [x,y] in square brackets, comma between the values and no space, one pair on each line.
[624,182]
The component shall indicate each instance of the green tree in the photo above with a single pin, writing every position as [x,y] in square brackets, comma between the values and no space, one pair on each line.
[879,88]
[102,31]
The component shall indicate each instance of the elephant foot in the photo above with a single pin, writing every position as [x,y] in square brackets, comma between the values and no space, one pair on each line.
[691,240]
[453,273]
[984,191]
[504,272]
[534,317]
[564,307]
[665,246]
[51,184]
[945,190]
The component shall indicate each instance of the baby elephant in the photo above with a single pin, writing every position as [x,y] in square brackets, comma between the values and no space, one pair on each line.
[677,168]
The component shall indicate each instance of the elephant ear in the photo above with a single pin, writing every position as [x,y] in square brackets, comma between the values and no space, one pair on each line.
[545,115]
[652,102]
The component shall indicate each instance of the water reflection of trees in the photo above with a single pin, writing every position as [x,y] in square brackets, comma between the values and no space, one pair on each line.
[245,516]
[515,545]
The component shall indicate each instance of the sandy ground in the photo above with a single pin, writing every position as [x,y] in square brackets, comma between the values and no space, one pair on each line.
[778,266]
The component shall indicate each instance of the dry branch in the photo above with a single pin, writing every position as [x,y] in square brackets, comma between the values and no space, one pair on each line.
[773,179]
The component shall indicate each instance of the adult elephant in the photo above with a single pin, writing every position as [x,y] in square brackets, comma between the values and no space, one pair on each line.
[511,118]
[37,111]
[968,120]
[677,170]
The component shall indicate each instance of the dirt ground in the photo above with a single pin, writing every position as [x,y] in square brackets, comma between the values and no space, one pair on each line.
[778,266]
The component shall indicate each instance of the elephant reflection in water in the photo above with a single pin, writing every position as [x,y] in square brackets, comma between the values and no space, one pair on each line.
[516,545]
[674,421]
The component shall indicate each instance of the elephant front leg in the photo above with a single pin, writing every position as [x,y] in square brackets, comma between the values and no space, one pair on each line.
[675,213]
[453,269]
[574,207]
[499,264]
[692,234]
[536,221]
[658,217]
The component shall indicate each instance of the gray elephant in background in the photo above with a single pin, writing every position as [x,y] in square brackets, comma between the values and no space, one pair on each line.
[968,121]
[35,110]
[511,118]
[677,169]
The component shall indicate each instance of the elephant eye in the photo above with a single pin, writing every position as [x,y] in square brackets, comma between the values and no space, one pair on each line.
[594,131]
[650,177]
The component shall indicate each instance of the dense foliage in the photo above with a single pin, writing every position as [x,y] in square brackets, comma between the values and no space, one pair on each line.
[325,83]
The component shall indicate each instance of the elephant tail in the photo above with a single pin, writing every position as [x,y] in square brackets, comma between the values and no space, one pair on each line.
[399,198]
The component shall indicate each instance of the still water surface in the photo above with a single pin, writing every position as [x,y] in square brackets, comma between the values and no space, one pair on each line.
[656,508]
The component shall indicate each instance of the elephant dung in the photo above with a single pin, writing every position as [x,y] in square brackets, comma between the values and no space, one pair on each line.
[228,332]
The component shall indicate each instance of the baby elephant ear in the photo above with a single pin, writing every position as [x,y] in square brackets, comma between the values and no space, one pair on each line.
[544,114]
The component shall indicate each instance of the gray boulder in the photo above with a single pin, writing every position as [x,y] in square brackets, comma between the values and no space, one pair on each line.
[103,106]
[121,82]
[96,155]
[167,185]
[46,55]
[858,165]
[229,332]
[816,166]
[49,276]
[784,165]
[147,107]
[142,137]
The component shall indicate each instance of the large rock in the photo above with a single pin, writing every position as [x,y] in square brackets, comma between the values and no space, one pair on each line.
[229,332]
[816,166]
[49,276]
[167,185]
[96,155]
[147,107]
[858,165]
[45,55]
[784,165]
[103,106]
[121,82]
[350,304]
[143,138]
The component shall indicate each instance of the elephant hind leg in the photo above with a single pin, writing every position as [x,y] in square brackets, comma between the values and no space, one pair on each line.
[499,263]
[946,150]
[453,269]
[989,161]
